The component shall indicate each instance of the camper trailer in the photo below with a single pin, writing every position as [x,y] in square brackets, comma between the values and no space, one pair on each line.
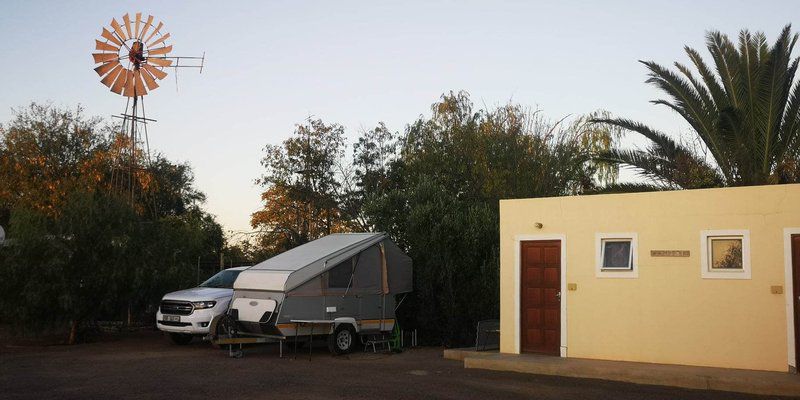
[341,285]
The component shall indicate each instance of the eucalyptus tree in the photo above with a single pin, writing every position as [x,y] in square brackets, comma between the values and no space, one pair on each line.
[301,188]
[743,109]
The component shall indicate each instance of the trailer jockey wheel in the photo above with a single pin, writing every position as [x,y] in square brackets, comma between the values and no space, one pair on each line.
[342,340]
[226,327]
[222,327]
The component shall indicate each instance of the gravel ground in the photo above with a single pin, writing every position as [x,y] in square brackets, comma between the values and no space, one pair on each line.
[146,366]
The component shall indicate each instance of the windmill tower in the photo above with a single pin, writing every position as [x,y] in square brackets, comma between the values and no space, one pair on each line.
[132,58]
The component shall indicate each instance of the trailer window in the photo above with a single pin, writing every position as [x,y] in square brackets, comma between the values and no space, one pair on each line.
[339,276]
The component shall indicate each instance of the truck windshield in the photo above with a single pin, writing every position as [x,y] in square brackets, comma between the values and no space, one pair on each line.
[223,279]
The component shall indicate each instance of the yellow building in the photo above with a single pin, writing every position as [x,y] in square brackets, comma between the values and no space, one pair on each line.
[694,277]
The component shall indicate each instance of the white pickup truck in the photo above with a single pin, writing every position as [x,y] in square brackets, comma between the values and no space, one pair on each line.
[187,313]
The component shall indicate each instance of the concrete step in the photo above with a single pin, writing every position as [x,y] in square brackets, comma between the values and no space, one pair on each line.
[691,377]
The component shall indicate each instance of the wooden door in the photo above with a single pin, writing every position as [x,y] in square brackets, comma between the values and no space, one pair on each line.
[796,297]
[540,297]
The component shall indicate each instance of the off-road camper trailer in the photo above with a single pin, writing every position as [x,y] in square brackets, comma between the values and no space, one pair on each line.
[344,282]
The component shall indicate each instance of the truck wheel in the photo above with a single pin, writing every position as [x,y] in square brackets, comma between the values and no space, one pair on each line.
[342,340]
[180,338]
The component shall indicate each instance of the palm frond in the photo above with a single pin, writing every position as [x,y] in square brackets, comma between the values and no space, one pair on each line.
[688,103]
[711,82]
[657,137]
[745,109]
[618,188]
[722,51]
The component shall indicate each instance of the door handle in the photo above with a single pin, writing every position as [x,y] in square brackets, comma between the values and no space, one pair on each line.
[558,295]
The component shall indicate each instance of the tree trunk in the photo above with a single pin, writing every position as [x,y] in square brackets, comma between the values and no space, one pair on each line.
[73,332]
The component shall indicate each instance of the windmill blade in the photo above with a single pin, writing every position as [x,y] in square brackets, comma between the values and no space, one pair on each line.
[103,46]
[148,79]
[161,62]
[158,28]
[119,83]
[103,69]
[127,19]
[159,74]
[159,41]
[111,77]
[128,90]
[110,37]
[138,24]
[138,84]
[104,57]
[118,29]
[160,50]
[147,26]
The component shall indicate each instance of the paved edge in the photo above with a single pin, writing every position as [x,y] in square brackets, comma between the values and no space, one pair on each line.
[690,377]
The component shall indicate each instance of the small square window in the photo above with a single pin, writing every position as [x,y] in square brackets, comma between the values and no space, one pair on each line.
[725,254]
[616,255]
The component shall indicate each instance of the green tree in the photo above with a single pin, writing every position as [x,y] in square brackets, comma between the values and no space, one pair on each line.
[47,152]
[79,252]
[374,153]
[301,189]
[66,268]
[440,201]
[744,109]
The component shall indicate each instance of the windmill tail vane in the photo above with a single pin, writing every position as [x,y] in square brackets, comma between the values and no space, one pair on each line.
[131,59]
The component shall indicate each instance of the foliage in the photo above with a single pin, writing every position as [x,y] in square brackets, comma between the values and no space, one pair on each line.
[435,189]
[744,109]
[48,152]
[66,267]
[442,202]
[373,155]
[300,187]
[77,251]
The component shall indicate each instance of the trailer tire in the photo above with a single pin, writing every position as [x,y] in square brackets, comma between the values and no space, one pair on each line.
[181,339]
[342,340]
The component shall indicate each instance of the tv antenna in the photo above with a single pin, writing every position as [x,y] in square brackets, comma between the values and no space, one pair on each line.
[133,57]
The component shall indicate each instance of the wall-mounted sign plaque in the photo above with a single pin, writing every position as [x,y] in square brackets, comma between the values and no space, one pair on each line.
[669,253]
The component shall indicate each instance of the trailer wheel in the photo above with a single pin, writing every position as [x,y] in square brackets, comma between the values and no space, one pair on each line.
[180,338]
[342,340]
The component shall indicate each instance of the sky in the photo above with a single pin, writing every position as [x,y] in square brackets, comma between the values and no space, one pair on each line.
[270,65]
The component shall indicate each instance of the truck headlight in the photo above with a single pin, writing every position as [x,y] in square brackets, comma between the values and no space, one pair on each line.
[199,305]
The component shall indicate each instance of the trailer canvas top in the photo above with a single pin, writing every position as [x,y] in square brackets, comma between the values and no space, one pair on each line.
[293,270]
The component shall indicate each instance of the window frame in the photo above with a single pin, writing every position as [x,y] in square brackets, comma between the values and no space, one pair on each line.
[600,239]
[706,272]
[345,263]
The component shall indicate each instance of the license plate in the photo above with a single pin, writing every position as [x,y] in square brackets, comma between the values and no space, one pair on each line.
[172,318]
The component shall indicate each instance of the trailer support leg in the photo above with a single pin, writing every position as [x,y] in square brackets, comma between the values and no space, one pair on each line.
[310,341]
[296,331]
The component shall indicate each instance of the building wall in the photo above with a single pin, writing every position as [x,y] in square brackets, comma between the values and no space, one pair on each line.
[668,314]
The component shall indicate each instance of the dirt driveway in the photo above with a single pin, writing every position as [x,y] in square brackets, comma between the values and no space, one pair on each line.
[146,366]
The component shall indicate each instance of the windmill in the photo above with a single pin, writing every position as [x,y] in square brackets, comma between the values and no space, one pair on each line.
[132,58]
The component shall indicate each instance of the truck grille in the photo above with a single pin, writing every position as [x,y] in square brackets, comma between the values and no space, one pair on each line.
[176,307]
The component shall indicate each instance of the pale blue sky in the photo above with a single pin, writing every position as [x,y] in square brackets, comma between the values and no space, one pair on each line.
[271,64]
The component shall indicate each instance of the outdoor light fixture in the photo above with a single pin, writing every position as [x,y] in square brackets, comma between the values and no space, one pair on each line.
[538,225]
[199,305]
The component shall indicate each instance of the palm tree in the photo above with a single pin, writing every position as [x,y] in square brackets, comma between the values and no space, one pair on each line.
[745,113]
